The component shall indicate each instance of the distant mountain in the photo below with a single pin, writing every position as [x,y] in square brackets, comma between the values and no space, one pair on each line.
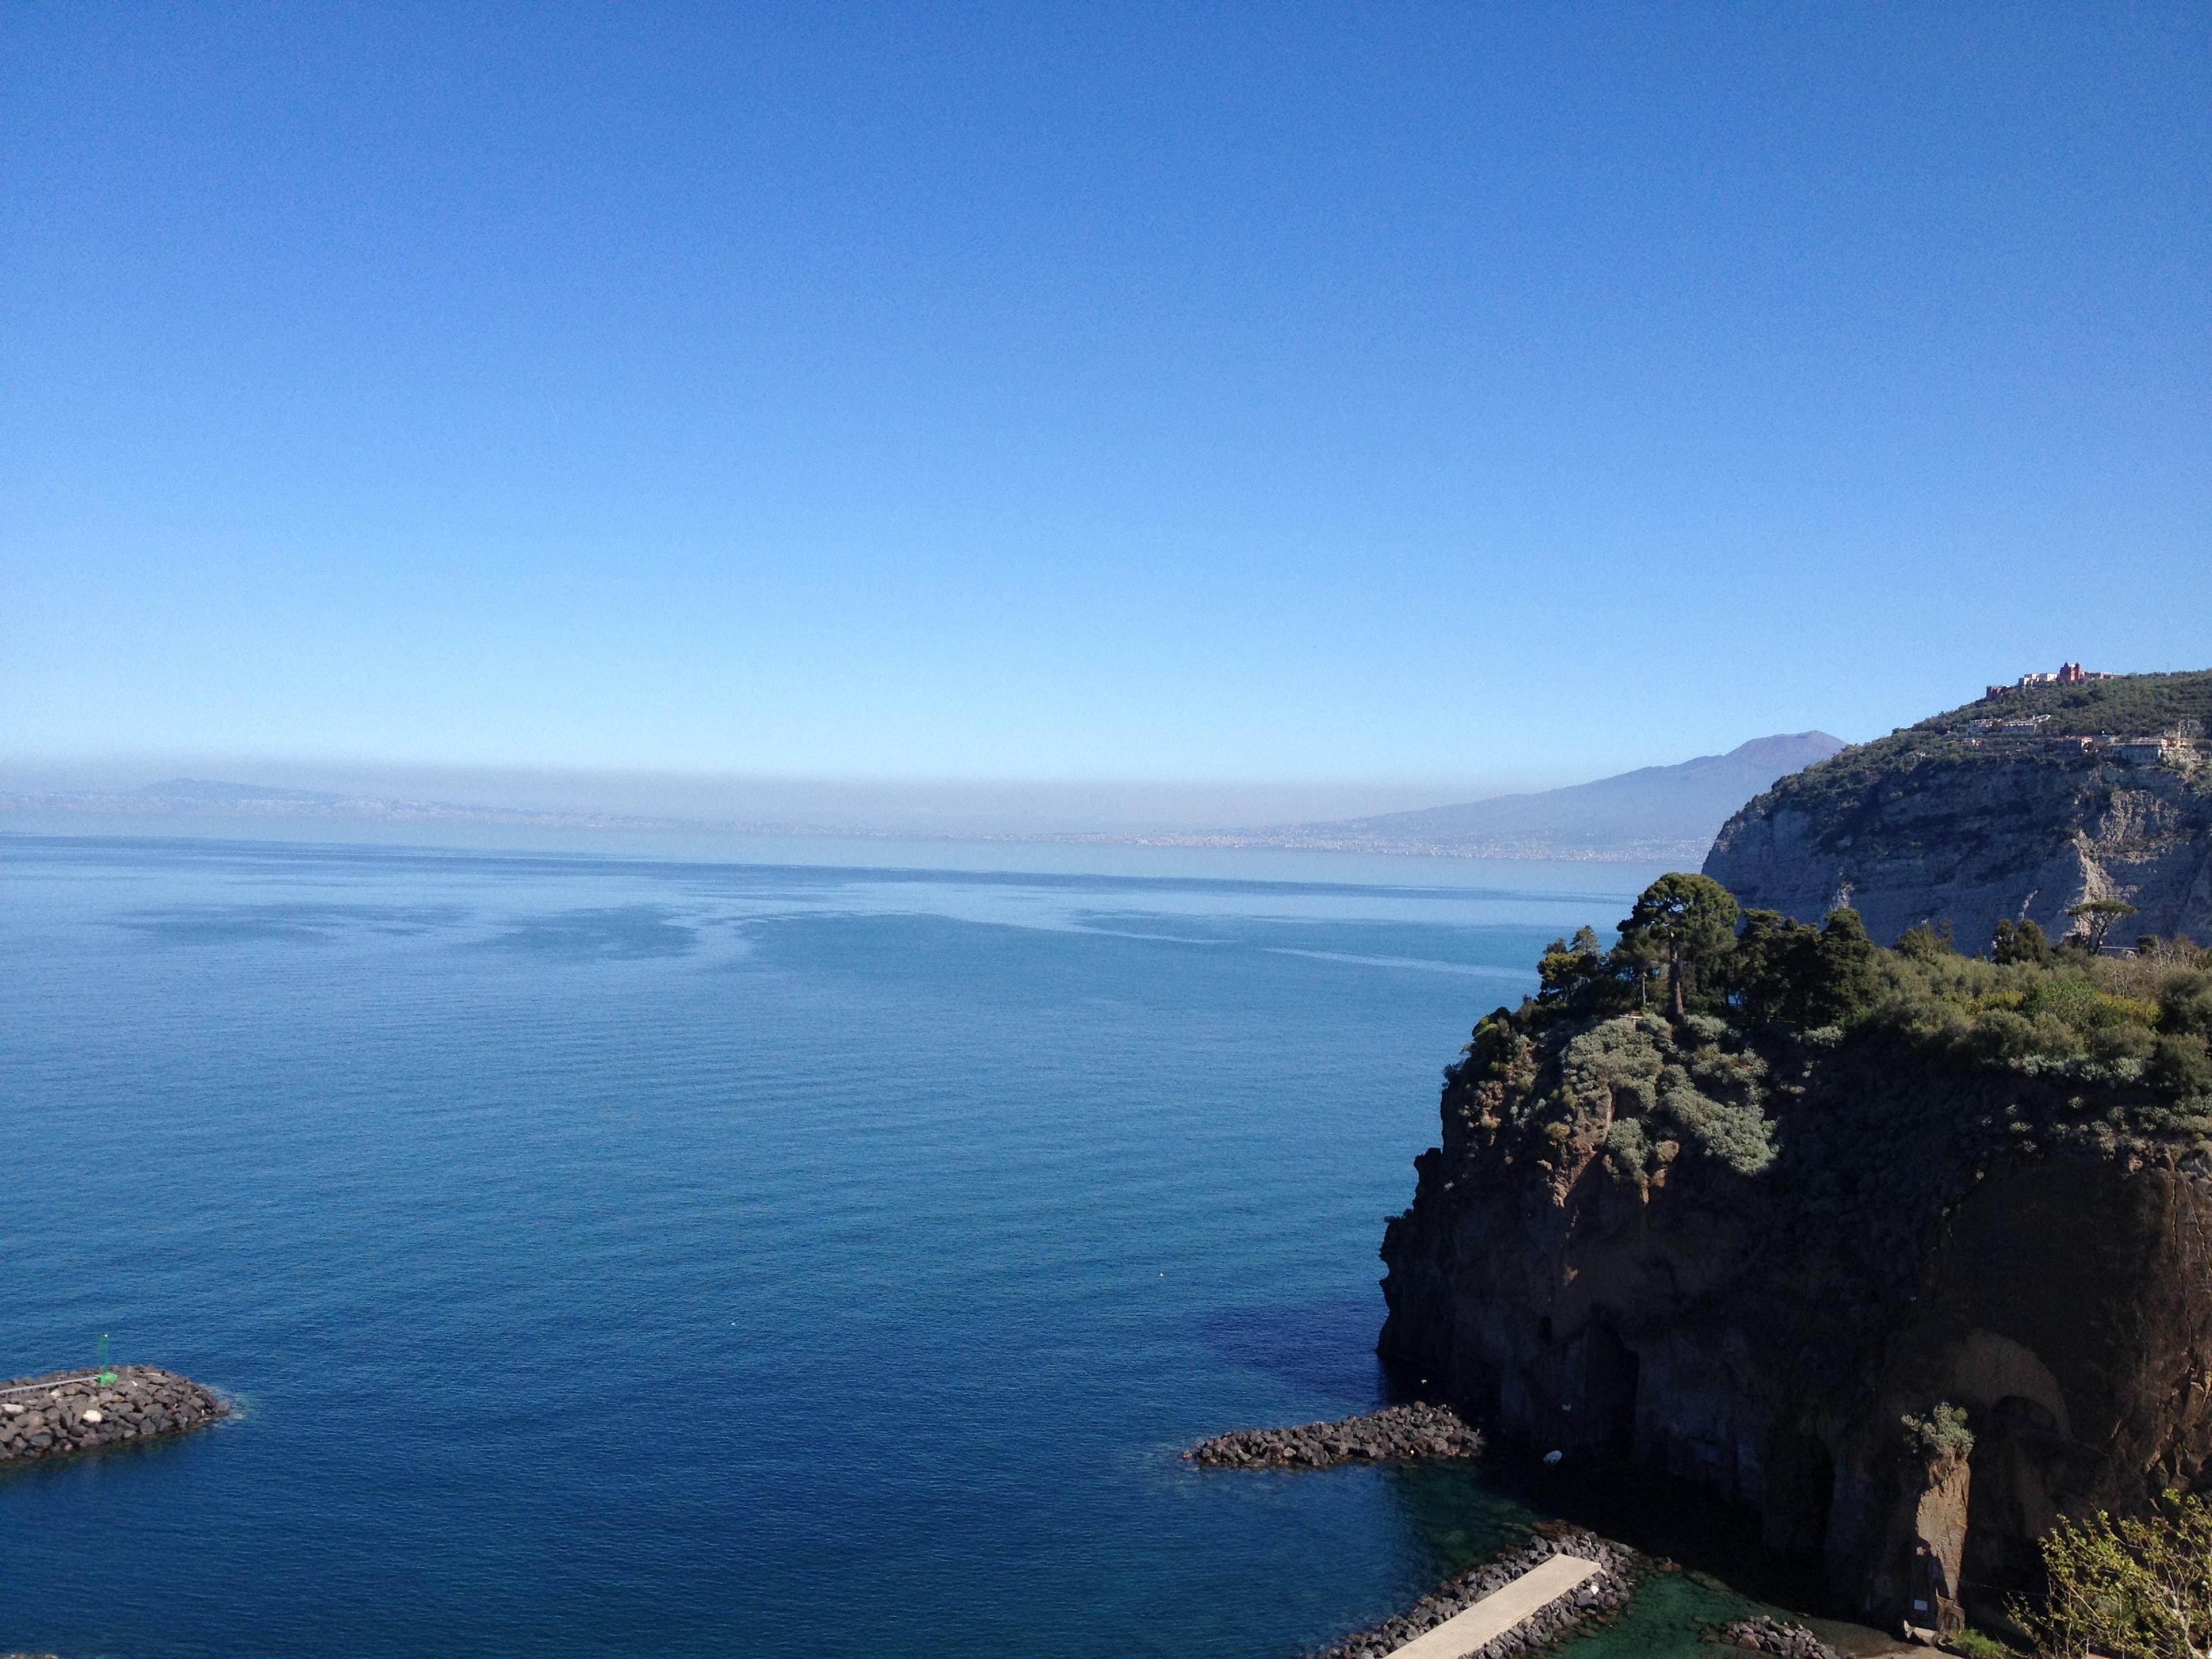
[1655,812]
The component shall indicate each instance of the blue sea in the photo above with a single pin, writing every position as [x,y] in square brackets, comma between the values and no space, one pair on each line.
[682,1256]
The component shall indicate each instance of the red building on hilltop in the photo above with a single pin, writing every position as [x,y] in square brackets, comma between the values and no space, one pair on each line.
[2070,673]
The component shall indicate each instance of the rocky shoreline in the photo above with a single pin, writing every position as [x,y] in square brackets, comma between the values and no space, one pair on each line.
[1600,1598]
[1395,1434]
[63,1413]
[1764,1635]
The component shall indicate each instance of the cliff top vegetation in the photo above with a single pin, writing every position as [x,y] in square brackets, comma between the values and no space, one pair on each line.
[1703,1029]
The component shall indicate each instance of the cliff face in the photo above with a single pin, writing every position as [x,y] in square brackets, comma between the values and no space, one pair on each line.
[1970,842]
[1758,1317]
[1959,820]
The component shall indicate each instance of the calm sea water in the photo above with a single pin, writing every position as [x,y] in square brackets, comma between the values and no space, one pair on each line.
[672,1258]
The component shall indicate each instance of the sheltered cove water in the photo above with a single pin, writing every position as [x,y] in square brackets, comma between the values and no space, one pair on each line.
[658,1254]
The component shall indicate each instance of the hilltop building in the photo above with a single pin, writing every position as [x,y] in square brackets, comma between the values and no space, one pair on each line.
[2070,673]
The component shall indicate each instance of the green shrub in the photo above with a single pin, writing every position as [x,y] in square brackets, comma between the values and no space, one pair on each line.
[2078,1003]
[2135,1589]
[1942,1433]
[2185,1004]
[2118,1043]
[1737,1135]
[2018,942]
[1616,1064]
[2181,1065]
[2002,1035]
[1925,943]
[1974,1644]
[1627,1153]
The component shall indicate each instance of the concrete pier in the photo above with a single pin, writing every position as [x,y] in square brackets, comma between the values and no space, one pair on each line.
[1502,1609]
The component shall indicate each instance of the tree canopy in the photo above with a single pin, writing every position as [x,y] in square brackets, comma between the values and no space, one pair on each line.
[1686,921]
[2141,1016]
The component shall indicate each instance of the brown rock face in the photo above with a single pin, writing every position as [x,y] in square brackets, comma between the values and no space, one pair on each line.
[1987,1241]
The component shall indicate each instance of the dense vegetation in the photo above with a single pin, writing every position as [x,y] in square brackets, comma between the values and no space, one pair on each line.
[1695,1031]
[2147,1013]
[2139,1587]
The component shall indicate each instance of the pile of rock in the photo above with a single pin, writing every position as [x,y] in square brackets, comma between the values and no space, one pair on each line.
[1398,1432]
[1764,1635]
[66,1411]
[1601,1596]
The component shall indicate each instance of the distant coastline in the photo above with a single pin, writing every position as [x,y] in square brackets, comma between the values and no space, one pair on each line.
[1642,851]
[365,809]
[1657,814]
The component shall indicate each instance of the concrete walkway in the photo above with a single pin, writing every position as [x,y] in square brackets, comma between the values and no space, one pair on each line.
[1499,1611]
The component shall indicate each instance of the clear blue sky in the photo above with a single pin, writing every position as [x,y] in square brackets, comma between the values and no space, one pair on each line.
[1176,391]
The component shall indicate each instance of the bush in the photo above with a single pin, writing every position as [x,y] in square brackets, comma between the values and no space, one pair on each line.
[1738,1136]
[2078,1003]
[1973,1644]
[2185,1004]
[1925,943]
[1942,1433]
[2017,942]
[2180,1065]
[1627,1153]
[1614,1064]
[2117,1042]
[2135,1588]
[2001,1035]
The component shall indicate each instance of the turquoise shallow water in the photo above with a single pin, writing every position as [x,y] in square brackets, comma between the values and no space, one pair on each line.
[666,1258]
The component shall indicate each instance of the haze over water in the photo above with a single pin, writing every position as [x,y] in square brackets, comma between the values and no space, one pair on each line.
[670,1257]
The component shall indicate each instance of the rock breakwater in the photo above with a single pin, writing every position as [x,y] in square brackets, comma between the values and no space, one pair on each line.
[67,1412]
[1764,1635]
[1601,1597]
[1397,1433]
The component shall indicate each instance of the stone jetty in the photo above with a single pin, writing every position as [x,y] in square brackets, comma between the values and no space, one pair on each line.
[1764,1635]
[1398,1433]
[67,1412]
[1599,1597]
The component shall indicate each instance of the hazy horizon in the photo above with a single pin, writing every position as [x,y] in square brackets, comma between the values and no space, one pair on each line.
[877,805]
[949,807]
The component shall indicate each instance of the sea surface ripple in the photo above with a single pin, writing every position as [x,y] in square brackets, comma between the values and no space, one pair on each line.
[655,1257]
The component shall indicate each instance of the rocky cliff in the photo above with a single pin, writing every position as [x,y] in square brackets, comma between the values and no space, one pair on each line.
[2017,809]
[1748,1260]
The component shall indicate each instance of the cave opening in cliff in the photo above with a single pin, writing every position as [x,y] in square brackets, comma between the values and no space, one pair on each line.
[2018,1447]
[1798,1479]
[1611,1372]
